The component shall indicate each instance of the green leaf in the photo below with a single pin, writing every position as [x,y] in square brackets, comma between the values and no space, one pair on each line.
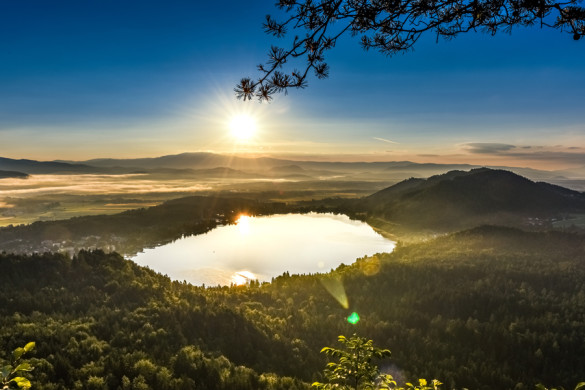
[21,382]
[17,353]
[540,386]
[580,385]
[29,346]
[23,367]
[6,370]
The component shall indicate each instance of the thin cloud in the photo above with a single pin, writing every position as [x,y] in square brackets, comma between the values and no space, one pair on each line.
[487,148]
[554,155]
[384,140]
[565,157]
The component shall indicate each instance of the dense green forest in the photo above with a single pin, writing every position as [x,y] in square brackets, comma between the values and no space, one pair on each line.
[488,308]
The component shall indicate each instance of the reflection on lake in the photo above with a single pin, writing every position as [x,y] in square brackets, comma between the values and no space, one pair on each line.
[264,247]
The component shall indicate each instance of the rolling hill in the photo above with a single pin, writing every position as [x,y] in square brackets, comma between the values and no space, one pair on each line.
[44,167]
[459,199]
[8,174]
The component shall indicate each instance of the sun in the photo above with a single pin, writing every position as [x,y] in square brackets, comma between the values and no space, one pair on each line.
[243,127]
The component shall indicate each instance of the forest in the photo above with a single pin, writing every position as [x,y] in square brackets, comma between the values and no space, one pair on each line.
[486,308]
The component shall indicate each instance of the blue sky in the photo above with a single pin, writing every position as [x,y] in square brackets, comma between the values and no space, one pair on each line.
[145,78]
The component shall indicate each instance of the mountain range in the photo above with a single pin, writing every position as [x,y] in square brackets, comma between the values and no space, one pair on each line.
[200,163]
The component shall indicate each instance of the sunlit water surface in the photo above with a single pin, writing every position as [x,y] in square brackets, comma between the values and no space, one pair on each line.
[264,247]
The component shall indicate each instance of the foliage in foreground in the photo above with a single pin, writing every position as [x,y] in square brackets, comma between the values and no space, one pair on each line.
[13,373]
[580,386]
[390,27]
[355,368]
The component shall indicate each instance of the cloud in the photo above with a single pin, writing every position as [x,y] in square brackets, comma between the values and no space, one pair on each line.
[487,147]
[552,156]
[384,140]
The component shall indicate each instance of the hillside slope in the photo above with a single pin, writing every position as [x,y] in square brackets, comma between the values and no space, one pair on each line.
[459,199]
[12,174]
[44,167]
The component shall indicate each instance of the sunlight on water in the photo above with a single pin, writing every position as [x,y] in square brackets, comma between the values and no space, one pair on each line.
[243,223]
[266,247]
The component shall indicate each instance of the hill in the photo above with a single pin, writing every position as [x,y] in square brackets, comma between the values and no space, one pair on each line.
[199,160]
[287,169]
[459,199]
[254,167]
[13,174]
[44,167]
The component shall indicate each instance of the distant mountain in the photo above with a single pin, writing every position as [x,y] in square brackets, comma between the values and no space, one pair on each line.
[185,163]
[44,167]
[572,172]
[190,161]
[467,198]
[12,174]
[287,169]
[204,160]
[223,172]
[219,172]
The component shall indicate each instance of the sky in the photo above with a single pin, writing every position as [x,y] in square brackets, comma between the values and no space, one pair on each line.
[110,78]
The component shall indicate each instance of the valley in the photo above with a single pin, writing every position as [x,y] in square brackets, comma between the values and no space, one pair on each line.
[484,289]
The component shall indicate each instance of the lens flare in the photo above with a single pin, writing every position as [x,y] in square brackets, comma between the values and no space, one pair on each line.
[335,287]
[353,318]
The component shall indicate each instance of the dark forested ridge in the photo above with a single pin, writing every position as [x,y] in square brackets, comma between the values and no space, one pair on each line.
[463,199]
[15,174]
[488,308]
[43,167]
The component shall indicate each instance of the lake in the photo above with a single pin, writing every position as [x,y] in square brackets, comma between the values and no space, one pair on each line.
[265,247]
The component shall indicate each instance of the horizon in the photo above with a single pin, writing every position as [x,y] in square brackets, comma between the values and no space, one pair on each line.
[325,158]
[334,158]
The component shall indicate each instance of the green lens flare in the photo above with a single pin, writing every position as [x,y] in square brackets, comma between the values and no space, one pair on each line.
[353,318]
